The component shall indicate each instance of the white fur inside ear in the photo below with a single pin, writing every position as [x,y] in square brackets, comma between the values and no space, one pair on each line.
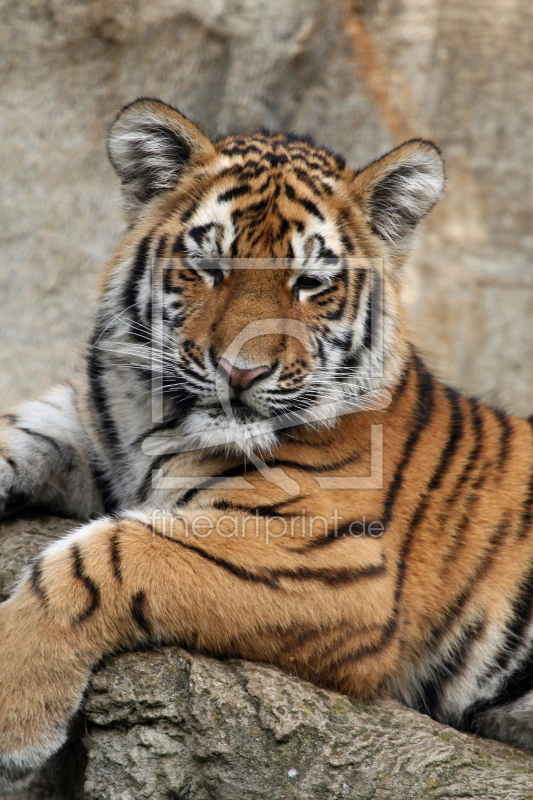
[405,192]
[148,156]
[150,144]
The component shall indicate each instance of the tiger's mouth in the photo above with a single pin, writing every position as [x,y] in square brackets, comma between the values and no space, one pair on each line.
[237,409]
[241,410]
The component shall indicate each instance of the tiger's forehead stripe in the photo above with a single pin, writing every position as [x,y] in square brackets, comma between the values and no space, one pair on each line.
[272,188]
[283,145]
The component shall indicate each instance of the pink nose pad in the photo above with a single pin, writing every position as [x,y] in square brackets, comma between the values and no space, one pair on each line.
[240,378]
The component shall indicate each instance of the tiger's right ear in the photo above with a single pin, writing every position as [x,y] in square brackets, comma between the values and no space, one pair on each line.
[151,145]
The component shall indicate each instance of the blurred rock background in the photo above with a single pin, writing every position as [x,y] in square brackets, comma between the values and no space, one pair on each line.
[359,76]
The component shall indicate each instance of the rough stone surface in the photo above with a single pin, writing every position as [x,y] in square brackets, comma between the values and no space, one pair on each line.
[21,540]
[360,75]
[170,725]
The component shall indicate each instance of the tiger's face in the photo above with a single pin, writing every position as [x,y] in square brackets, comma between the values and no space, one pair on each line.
[265,271]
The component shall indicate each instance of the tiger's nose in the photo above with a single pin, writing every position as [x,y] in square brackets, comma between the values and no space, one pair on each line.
[239,378]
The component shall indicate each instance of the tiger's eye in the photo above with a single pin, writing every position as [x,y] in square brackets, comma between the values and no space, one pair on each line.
[217,276]
[215,272]
[307,282]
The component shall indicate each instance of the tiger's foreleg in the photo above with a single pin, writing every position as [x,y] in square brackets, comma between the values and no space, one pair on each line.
[142,579]
[44,458]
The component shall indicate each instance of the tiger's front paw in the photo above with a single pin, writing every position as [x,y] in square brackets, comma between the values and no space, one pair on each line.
[41,686]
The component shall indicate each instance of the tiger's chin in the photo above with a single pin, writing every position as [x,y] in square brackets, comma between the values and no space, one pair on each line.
[234,435]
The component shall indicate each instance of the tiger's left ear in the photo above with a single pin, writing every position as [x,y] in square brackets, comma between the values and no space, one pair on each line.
[151,145]
[398,190]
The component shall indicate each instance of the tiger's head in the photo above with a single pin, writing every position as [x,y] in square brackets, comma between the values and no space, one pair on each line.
[262,272]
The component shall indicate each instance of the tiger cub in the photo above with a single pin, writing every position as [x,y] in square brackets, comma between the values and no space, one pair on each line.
[272,472]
